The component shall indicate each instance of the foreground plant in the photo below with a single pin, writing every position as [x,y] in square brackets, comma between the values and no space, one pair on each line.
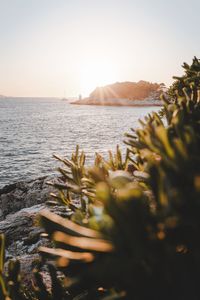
[135,230]
[12,286]
[147,244]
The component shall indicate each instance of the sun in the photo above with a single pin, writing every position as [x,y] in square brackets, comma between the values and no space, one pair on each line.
[95,73]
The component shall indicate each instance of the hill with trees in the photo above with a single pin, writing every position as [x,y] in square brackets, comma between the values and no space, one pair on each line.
[125,93]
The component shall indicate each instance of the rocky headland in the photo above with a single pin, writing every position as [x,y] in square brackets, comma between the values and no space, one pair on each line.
[140,93]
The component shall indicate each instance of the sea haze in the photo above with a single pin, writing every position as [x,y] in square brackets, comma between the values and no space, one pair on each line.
[33,129]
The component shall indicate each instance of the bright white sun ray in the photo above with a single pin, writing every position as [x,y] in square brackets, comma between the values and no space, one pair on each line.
[96,73]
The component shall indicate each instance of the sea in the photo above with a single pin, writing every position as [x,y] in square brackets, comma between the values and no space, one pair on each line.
[33,129]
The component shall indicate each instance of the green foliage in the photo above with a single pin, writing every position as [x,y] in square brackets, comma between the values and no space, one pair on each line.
[150,215]
[188,83]
[12,287]
[10,280]
[134,233]
[76,186]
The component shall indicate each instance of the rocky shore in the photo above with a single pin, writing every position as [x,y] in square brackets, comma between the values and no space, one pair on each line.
[141,93]
[20,204]
[118,102]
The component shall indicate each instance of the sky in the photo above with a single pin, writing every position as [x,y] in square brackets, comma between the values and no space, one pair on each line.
[57,48]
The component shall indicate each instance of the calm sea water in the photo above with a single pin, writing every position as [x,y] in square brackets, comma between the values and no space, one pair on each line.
[32,130]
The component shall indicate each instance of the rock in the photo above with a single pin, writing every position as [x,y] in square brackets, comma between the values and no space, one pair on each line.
[20,227]
[22,231]
[141,93]
[20,205]
[27,264]
[23,194]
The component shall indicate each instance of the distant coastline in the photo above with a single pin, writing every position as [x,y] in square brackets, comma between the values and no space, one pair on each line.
[142,93]
[118,102]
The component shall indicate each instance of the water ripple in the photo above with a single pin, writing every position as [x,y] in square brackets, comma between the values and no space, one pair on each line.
[32,130]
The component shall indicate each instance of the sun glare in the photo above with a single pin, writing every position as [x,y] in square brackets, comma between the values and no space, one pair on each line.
[96,73]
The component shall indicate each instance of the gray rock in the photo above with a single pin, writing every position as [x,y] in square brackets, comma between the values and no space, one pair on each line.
[23,194]
[20,205]
[20,230]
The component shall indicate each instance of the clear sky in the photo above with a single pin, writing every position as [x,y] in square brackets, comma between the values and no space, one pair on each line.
[51,46]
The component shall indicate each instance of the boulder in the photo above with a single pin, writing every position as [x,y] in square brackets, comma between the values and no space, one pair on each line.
[23,194]
[20,205]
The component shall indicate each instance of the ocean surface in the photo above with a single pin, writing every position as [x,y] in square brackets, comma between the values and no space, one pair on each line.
[33,129]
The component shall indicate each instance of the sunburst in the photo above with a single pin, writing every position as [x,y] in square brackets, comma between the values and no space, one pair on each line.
[96,73]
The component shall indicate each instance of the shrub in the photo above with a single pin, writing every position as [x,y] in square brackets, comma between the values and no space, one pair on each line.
[148,221]
[134,233]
